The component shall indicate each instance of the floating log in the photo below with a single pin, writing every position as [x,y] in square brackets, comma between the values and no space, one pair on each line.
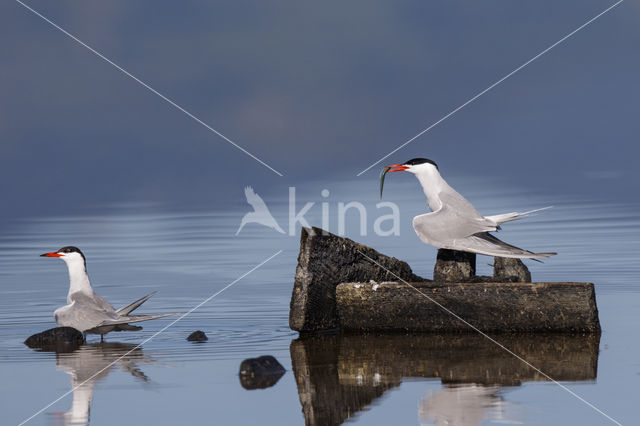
[326,260]
[490,307]
[342,284]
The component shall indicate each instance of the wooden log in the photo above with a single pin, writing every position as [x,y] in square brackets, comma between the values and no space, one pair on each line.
[491,307]
[514,270]
[326,260]
[454,266]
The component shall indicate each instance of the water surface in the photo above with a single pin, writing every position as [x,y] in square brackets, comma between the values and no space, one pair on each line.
[187,256]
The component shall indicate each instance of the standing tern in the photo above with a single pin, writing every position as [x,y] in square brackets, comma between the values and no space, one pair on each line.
[454,223]
[88,312]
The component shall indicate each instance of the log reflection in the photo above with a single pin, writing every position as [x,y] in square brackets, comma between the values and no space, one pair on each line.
[339,375]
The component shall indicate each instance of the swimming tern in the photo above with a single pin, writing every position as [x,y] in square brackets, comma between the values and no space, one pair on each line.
[454,223]
[88,312]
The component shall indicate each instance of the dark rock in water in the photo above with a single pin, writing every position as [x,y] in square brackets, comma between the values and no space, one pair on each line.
[326,260]
[454,266]
[59,339]
[260,373]
[197,336]
[510,270]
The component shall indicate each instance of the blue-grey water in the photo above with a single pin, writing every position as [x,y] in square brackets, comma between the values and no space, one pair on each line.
[188,255]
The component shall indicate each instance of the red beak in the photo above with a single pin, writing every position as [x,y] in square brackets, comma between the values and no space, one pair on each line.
[399,168]
[52,254]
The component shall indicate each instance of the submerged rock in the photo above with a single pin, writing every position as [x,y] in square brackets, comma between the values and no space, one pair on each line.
[59,339]
[260,373]
[510,270]
[454,266]
[326,260]
[197,336]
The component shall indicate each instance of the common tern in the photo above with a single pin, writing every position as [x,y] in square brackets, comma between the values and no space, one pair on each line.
[88,312]
[454,223]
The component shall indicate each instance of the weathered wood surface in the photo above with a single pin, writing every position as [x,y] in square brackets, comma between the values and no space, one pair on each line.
[506,302]
[454,266]
[326,260]
[491,307]
[514,270]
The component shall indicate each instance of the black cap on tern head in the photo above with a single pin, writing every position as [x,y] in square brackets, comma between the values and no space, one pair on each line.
[416,161]
[74,249]
[71,249]
[65,250]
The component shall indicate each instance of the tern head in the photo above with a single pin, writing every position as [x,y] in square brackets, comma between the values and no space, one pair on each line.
[70,254]
[415,166]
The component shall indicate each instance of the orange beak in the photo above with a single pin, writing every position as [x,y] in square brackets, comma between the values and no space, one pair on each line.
[52,254]
[398,168]
[391,168]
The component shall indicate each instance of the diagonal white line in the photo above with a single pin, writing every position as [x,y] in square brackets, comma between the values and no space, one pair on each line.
[145,85]
[492,86]
[154,335]
[474,328]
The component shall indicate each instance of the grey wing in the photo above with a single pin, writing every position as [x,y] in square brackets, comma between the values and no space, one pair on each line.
[464,210]
[102,303]
[485,243]
[85,313]
[455,200]
[442,227]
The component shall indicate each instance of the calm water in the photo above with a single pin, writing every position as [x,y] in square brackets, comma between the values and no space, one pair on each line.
[133,249]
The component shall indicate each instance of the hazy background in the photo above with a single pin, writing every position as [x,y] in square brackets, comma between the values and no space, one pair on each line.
[317,91]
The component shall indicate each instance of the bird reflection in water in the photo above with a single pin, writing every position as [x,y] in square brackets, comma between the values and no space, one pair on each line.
[90,364]
[466,405]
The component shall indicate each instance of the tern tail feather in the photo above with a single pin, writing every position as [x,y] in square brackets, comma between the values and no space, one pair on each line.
[126,310]
[508,217]
[135,318]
